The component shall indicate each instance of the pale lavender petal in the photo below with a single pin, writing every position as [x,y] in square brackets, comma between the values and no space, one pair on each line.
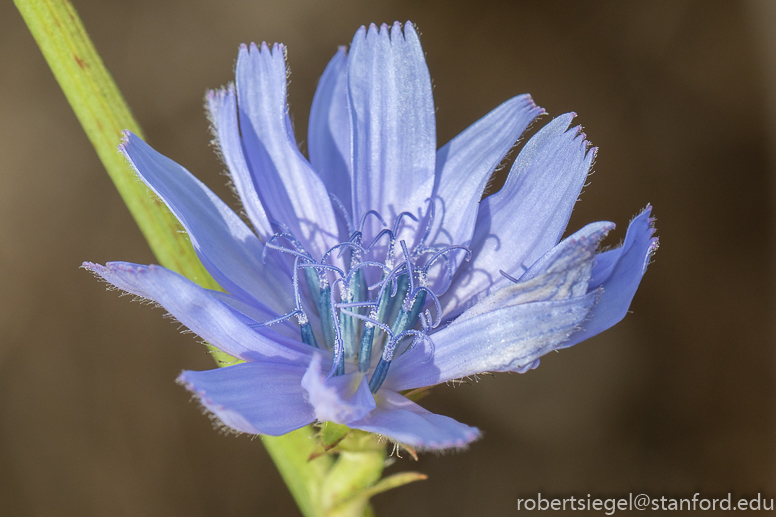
[564,272]
[589,236]
[463,168]
[253,398]
[619,272]
[201,312]
[253,313]
[329,133]
[229,250]
[520,223]
[222,105]
[288,187]
[393,121]
[405,422]
[503,340]
[340,399]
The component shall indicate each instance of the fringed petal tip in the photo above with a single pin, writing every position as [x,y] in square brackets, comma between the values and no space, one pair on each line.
[527,100]
[654,240]
[110,269]
[263,48]
[99,271]
[401,421]
[214,98]
[439,448]
[579,135]
[396,29]
[231,423]
[252,398]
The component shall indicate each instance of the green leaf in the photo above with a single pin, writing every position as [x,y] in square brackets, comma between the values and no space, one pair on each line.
[359,498]
[332,434]
[351,474]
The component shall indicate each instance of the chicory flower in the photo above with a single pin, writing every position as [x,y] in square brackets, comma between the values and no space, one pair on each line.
[374,267]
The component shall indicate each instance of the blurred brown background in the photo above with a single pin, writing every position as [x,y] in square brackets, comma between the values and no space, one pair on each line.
[678,398]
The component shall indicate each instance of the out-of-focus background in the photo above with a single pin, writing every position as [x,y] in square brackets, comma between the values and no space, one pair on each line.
[677,399]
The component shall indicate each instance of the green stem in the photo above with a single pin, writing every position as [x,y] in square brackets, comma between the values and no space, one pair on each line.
[103,113]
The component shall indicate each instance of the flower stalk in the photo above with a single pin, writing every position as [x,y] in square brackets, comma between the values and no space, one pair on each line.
[323,485]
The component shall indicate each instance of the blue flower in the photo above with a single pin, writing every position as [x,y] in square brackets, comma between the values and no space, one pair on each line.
[374,267]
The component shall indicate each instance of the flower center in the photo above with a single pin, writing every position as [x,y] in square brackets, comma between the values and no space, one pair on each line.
[368,298]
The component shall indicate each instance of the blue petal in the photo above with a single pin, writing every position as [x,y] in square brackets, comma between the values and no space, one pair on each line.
[288,187]
[503,340]
[619,272]
[340,399]
[222,105]
[201,312]
[520,223]
[252,313]
[464,166]
[394,130]
[228,249]
[329,133]
[564,272]
[588,237]
[405,422]
[253,398]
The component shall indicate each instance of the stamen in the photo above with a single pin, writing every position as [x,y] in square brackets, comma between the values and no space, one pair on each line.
[434,299]
[408,314]
[324,296]
[431,212]
[343,212]
[507,276]
[370,320]
[356,305]
[307,330]
[444,251]
[346,244]
[363,219]
[410,269]
[400,297]
[327,316]
[390,348]
[295,282]
[384,231]
[308,336]
[361,265]
[399,218]
[425,320]
[324,266]
[382,300]
[338,361]
[378,376]
[392,276]
[419,336]
[365,348]
[396,300]
[279,319]
[381,370]
[282,250]
[287,233]
[354,291]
